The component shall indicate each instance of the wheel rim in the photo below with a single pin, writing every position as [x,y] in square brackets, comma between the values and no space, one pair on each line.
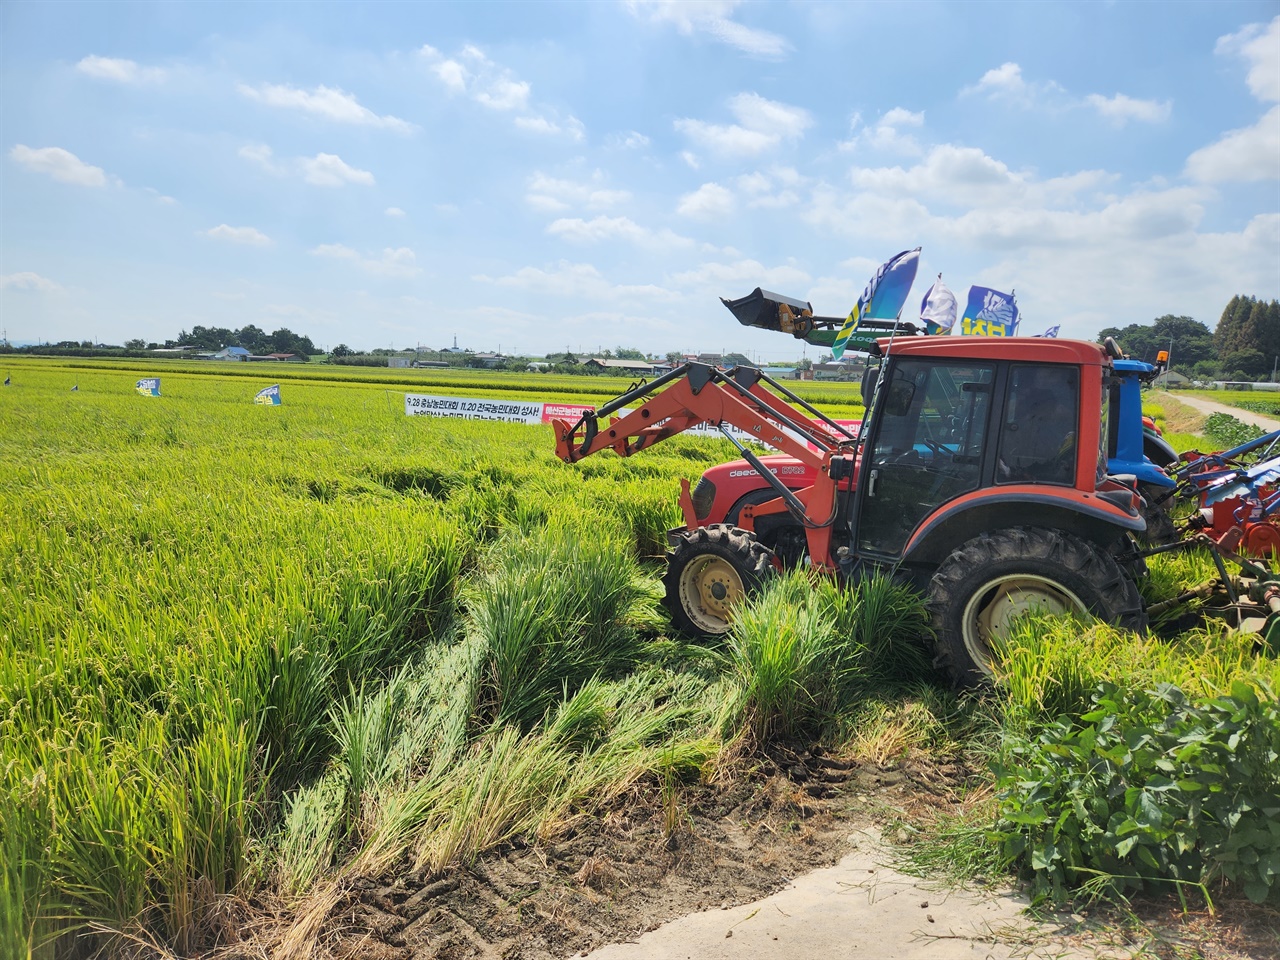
[991,611]
[709,588]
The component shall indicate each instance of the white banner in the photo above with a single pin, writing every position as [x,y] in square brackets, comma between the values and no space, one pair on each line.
[472,408]
[517,411]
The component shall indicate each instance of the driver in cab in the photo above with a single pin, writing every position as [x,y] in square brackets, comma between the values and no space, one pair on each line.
[1037,443]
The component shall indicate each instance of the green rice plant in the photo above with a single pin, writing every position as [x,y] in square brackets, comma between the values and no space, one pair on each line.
[1051,666]
[558,611]
[887,620]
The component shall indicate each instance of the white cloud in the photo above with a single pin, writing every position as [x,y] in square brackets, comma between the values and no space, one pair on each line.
[329,170]
[570,280]
[1002,81]
[504,94]
[731,276]
[691,159]
[120,71]
[26,280]
[616,228]
[395,212]
[245,235]
[327,102]
[1006,84]
[497,88]
[392,262]
[772,189]
[322,170]
[261,154]
[711,17]
[1259,44]
[709,202]
[60,164]
[548,127]
[554,195]
[887,133]
[630,140]
[762,124]
[1250,154]
[1120,109]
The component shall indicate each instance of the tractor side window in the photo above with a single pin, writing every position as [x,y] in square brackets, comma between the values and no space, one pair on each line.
[927,447]
[1041,422]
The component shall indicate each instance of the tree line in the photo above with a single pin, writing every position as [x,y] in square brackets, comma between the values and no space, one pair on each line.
[1244,345]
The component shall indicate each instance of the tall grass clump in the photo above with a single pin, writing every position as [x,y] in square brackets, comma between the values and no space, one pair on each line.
[549,614]
[804,651]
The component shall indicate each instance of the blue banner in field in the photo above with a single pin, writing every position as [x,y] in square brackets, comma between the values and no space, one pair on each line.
[148,386]
[990,313]
[269,395]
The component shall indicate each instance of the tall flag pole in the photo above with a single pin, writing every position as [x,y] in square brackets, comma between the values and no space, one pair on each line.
[883,298]
[938,309]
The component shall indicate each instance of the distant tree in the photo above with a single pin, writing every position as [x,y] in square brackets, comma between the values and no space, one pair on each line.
[1247,364]
[135,344]
[805,364]
[675,356]
[285,340]
[627,353]
[253,339]
[340,351]
[1192,340]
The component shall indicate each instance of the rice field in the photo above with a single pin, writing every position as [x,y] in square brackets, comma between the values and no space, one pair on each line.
[258,651]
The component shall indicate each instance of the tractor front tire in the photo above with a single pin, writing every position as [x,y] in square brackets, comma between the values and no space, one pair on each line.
[988,582]
[710,571]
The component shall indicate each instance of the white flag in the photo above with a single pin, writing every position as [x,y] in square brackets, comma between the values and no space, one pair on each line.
[938,308]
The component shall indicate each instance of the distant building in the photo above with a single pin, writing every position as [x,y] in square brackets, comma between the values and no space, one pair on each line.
[489,359]
[398,362]
[231,353]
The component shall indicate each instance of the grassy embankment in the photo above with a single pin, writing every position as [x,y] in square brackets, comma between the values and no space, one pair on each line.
[248,648]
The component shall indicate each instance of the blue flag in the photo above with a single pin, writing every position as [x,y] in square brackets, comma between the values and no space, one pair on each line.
[990,313]
[269,395]
[1051,332]
[7,381]
[883,299]
[75,388]
[148,386]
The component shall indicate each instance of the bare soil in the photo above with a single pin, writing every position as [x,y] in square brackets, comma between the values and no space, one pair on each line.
[652,860]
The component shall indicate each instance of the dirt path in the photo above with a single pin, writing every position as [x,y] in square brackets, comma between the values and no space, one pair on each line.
[1211,406]
[860,909]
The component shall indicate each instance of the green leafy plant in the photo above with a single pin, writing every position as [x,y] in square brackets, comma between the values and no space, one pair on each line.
[1229,431]
[1147,787]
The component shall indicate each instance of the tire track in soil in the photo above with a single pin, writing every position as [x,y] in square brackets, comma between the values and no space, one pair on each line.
[623,874]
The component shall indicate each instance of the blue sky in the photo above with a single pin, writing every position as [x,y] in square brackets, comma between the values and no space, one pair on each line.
[534,176]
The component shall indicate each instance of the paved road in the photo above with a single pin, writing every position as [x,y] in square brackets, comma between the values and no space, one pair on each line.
[862,909]
[1245,416]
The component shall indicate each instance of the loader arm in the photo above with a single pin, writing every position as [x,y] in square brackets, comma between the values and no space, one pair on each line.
[696,393]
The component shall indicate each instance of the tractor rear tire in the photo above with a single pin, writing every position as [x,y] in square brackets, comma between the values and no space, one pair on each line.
[711,570]
[1160,529]
[988,582]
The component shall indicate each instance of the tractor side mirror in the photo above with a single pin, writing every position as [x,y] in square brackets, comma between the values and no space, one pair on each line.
[869,376]
[898,402]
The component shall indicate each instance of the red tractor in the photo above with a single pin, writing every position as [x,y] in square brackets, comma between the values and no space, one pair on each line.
[979,474]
